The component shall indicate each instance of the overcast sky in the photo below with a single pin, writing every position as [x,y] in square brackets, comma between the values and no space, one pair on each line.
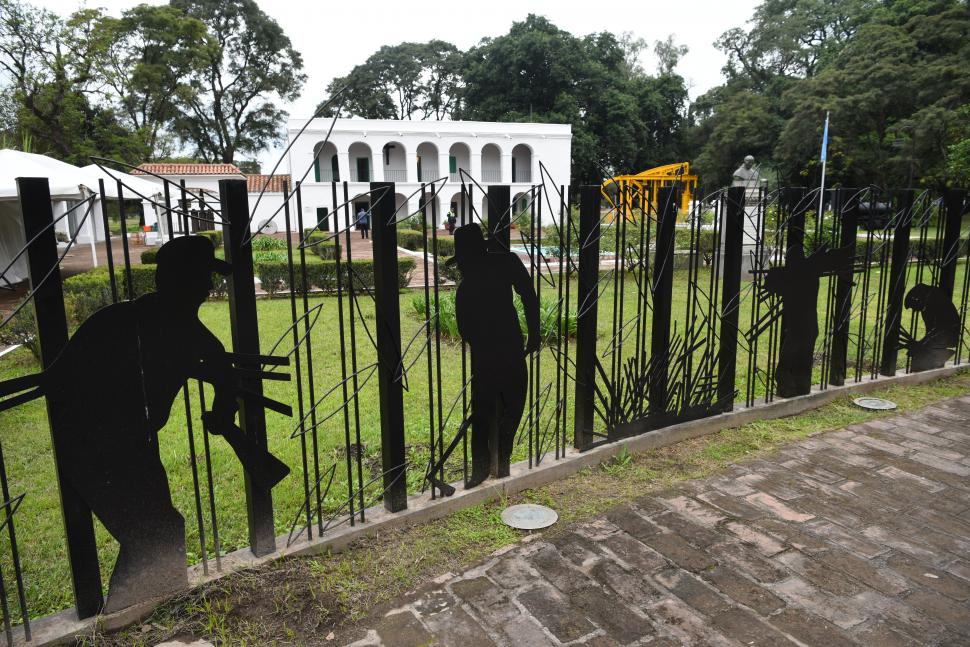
[335,36]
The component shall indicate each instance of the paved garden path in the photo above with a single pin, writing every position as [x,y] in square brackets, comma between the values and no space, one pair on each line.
[854,537]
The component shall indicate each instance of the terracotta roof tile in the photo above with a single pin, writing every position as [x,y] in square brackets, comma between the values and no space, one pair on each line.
[187,169]
[256,183]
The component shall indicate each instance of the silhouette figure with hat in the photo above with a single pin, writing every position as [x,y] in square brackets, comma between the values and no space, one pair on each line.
[117,379]
[489,324]
[942,322]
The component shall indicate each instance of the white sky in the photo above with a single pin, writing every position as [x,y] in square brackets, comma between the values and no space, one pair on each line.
[333,36]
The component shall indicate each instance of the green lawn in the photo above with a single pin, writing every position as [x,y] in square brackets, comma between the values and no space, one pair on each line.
[26,442]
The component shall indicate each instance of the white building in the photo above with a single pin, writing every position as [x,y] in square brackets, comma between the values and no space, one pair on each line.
[408,153]
[201,185]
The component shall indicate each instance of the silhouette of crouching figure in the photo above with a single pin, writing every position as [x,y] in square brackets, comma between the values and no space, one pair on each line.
[115,384]
[489,323]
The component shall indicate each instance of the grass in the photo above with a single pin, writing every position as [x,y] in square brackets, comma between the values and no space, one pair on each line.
[302,599]
[26,441]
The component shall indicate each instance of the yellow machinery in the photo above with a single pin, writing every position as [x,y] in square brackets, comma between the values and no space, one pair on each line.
[634,189]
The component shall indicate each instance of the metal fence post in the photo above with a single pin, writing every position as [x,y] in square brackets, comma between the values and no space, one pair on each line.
[897,282]
[48,302]
[587,296]
[499,216]
[243,319]
[847,207]
[733,250]
[956,206]
[668,201]
[389,367]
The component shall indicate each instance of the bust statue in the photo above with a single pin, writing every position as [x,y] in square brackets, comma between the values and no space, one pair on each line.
[747,175]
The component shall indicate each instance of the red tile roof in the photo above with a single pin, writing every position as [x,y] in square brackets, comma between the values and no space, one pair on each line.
[256,183]
[187,169]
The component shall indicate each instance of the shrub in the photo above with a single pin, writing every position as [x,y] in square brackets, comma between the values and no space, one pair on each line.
[323,245]
[90,291]
[263,243]
[409,239]
[21,329]
[548,321]
[275,275]
[215,235]
[148,256]
[450,272]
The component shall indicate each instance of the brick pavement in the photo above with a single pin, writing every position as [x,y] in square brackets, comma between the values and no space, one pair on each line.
[855,537]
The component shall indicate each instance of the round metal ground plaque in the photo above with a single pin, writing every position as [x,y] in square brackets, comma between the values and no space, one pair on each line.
[529,516]
[875,404]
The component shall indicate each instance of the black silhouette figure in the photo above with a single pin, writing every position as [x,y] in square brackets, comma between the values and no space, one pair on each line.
[942,322]
[117,380]
[797,285]
[489,323]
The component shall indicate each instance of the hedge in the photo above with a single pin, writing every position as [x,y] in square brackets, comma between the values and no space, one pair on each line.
[410,239]
[275,275]
[148,256]
[324,245]
[215,235]
[90,291]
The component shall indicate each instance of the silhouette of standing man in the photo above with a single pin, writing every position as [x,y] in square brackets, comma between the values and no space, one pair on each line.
[117,379]
[489,323]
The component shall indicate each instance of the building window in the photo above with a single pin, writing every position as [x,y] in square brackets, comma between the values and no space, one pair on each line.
[335,168]
[323,220]
[452,164]
[316,169]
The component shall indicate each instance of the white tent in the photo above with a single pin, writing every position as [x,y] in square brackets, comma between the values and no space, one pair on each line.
[67,183]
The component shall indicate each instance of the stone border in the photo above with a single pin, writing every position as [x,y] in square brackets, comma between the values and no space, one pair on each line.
[63,627]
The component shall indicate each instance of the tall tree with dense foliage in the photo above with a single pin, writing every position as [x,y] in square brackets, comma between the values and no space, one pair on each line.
[623,119]
[155,52]
[404,81]
[250,62]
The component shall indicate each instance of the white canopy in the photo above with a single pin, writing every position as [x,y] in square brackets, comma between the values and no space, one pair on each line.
[65,179]
[134,185]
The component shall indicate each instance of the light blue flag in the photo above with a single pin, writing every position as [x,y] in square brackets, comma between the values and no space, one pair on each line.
[825,138]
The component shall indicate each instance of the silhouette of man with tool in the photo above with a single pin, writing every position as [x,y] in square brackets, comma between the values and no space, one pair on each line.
[942,323]
[114,386]
[489,323]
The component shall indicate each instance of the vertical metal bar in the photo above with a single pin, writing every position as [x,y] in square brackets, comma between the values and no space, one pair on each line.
[195,477]
[897,284]
[353,343]
[847,207]
[107,243]
[733,231]
[14,550]
[216,545]
[389,366]
[432,443]
[564,355]
[587,298]
[308,343]
[297,364]
[343,371]
[35,205]
[955,207]
[663,282]
[466,194]
[533,253]
[130,287]
[168,211]
[243,318]
[500,236]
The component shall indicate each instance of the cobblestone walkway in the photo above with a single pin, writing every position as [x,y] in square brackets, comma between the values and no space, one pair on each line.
[855,537]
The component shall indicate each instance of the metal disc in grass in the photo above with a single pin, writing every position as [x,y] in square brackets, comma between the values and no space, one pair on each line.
[529,516]
[875,404]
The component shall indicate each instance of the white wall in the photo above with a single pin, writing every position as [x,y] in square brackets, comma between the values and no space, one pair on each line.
[548,143]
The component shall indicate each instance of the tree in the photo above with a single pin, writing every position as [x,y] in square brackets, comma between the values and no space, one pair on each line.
[52,67]
[402,81]
[249,61]
[668,55]
[154,52]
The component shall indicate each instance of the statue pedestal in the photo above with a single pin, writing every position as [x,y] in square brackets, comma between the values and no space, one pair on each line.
[753,205]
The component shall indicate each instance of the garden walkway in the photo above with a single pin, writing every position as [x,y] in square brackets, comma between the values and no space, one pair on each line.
[859,536]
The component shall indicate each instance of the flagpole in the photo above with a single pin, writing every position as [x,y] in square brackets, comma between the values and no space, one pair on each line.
[825,145]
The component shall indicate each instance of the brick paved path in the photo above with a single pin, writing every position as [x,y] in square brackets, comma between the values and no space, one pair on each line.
[860,536]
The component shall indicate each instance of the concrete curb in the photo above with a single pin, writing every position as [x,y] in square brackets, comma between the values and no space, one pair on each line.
[63,627]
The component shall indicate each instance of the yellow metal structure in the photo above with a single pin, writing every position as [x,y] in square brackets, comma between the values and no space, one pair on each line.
[636,189]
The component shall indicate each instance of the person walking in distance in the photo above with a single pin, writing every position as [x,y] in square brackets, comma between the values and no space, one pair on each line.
[489,324]
[363,222]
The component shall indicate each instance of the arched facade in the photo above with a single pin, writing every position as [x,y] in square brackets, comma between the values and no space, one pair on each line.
[361,162]
[326,167]
[522,163]
[427,162]
[491,163]
[459,157]
[394,162]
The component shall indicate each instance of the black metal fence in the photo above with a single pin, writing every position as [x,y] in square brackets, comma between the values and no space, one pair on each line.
[651,315]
